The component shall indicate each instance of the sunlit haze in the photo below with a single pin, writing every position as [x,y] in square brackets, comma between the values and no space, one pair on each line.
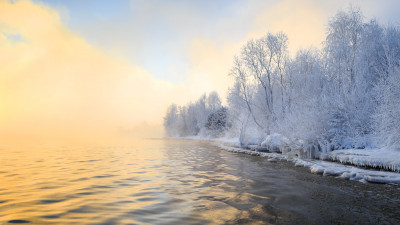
[91,69]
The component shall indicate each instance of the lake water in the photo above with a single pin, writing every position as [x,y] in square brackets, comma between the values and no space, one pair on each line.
[178,182]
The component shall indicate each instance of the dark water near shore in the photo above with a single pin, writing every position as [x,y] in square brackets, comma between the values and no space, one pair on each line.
[178,182]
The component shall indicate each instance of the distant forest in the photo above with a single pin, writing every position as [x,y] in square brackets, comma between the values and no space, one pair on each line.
[345,95]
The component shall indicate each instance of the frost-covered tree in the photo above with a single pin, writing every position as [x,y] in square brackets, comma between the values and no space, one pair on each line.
[306,97]
[387,91]
[265,60]
[243,91]
[171,121]
[260,73]
[342,46]
[347,39]
[191,119]
[213,102]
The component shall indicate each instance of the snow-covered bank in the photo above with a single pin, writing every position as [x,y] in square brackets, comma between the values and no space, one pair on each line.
[373,158]
[390,161]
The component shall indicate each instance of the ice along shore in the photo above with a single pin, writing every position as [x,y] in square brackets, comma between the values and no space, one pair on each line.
[364,165]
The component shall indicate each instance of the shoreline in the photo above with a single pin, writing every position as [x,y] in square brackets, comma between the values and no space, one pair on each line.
[346,164]
[325,168]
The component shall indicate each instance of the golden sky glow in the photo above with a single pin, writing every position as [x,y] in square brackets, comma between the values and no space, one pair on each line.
[56,81]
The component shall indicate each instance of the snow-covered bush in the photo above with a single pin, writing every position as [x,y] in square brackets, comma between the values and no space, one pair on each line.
[217,122]
[275,142]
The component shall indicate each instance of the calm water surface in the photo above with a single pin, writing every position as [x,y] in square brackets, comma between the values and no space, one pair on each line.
[178,182]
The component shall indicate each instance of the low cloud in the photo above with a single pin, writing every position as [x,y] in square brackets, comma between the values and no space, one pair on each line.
[53,84]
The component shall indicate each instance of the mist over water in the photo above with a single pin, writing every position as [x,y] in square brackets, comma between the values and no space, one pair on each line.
[176,182]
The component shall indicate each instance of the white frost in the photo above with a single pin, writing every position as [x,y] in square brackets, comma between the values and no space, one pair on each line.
[335,169]
[375,158]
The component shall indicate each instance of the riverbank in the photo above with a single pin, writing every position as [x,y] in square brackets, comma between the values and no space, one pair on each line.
[364,165]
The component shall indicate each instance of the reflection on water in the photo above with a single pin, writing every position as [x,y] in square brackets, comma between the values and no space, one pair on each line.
[177,182]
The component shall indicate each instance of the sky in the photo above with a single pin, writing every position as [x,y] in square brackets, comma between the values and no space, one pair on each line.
[88,68]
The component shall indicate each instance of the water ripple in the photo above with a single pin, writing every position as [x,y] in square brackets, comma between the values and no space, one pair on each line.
[18,221]
[177,182]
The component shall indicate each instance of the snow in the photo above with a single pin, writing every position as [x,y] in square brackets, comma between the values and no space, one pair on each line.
[388,160]
[375,158]
[252,141]
[274,142]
